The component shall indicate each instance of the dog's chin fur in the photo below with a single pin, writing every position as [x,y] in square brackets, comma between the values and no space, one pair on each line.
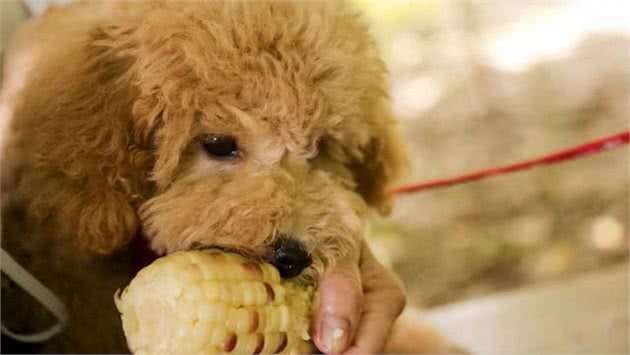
[109,101]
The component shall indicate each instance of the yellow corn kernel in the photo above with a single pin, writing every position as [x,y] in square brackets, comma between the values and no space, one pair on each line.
[206,302]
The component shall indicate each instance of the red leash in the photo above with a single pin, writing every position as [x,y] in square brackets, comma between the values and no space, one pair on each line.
[583,150]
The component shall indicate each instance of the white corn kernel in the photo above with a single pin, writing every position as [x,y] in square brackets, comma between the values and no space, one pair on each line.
[201,302]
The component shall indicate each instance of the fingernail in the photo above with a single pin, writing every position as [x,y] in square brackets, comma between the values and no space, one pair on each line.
[334,333]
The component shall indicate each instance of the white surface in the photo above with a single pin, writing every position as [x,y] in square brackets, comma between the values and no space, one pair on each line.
[38,6]
[585,315]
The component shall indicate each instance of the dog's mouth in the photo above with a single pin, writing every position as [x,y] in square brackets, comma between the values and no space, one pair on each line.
[229,249]
[286,254]
[140,252]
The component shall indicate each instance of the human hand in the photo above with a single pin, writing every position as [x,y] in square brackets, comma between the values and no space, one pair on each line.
[356,306]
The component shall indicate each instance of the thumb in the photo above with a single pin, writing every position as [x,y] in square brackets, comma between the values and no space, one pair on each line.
[337,308]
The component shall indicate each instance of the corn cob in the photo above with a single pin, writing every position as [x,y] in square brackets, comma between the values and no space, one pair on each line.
[200,302]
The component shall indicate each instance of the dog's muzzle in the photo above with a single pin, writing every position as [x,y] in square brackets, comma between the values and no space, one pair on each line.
[289,256]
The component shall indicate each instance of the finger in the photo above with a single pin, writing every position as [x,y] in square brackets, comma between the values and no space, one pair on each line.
[373,332]
[338,309]
[384,300]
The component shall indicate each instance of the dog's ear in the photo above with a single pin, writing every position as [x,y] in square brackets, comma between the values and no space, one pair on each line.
[87,169]
[168,130]
[383,159]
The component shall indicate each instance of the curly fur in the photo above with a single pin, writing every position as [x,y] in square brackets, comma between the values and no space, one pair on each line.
[105,128]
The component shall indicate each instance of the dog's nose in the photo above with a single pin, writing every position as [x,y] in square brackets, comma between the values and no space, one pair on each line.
[288,256]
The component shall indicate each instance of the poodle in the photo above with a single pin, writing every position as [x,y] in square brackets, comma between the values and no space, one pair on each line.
[259,127]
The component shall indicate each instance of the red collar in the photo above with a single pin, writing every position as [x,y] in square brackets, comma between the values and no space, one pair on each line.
[141,253]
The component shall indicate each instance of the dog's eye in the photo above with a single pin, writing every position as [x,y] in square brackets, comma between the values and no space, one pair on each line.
[220,146]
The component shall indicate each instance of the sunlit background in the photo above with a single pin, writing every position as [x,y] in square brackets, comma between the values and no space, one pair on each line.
[483,83]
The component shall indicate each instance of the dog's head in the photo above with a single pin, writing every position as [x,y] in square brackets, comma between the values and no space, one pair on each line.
[261,127]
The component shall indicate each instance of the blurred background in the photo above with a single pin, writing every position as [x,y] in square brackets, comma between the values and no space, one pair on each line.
[484,83]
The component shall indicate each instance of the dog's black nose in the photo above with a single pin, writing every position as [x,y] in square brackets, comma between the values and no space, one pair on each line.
[288,256]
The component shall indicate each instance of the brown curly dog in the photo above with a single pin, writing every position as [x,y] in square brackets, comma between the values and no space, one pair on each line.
[260,127]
